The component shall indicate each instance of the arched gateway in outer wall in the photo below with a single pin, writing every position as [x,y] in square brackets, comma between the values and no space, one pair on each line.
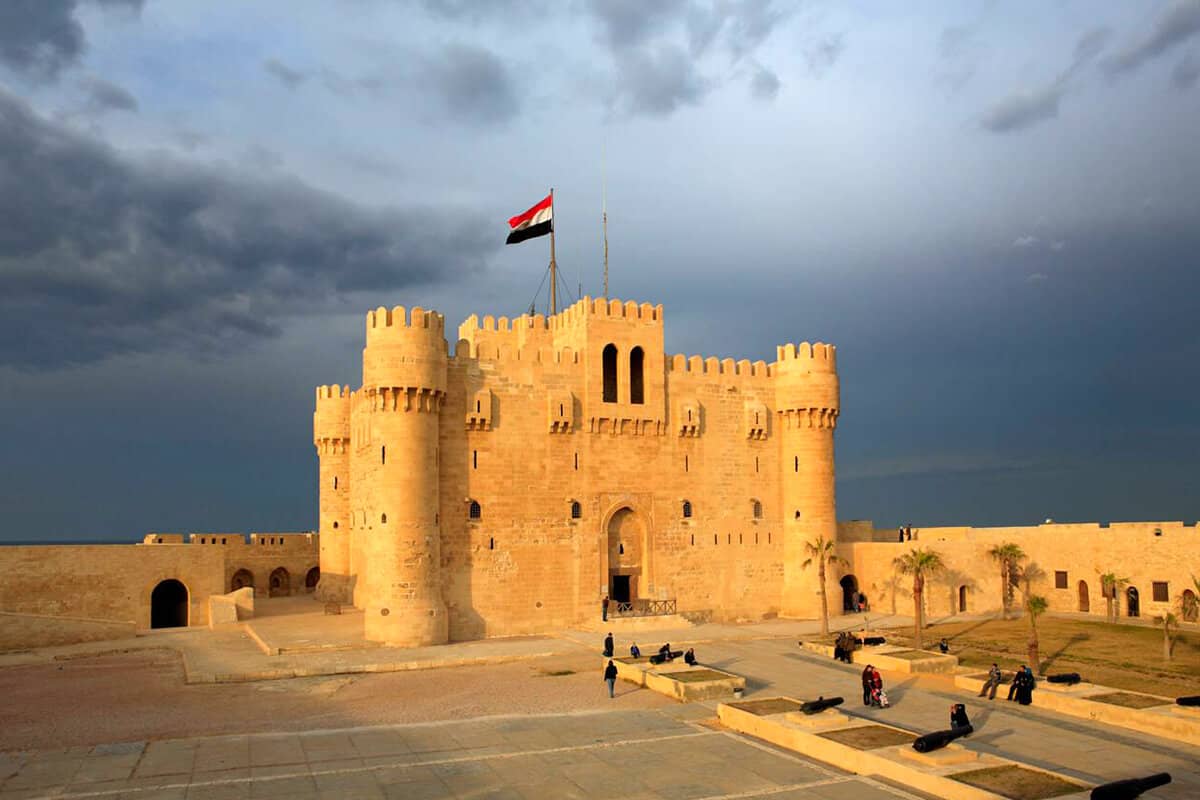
[627,553]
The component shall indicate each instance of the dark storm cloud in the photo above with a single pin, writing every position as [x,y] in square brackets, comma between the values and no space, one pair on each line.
[42,37]
[1025,108]
[471,84]
[658,81]
[100,255]
[823,54]
[290,78]
[764,84]
[514,11]
[105,96]
[655,75]
[1178,23]
[1185,73]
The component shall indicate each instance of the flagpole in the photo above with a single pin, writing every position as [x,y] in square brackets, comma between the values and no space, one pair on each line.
[553,266]
[604,209]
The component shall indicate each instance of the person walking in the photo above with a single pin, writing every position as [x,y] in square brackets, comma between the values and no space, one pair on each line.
[866,684]
[608,645]
[610,677]
[992,682]
[604,609]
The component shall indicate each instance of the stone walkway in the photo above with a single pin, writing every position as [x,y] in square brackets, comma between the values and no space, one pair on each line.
[634,755]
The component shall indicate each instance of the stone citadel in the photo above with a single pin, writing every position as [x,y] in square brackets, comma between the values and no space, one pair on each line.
[504,484]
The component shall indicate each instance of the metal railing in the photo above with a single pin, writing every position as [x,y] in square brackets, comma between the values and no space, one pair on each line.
[644,608]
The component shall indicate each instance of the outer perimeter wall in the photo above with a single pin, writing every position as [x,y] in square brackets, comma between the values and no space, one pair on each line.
[1159,560]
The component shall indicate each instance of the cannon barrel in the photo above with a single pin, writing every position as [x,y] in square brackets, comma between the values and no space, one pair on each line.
[1070,678]
[1130,787]
[939,739]
[1191,700]
[659,658]
[869,641]
[820,704]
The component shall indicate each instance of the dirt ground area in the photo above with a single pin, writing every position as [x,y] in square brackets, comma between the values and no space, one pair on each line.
[141,695]
[1126,657]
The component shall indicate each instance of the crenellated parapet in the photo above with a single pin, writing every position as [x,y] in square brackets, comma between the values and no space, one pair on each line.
[807,392]
[406,355]
[331,419]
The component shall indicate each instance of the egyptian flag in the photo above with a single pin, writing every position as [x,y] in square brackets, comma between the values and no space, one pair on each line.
[537,221]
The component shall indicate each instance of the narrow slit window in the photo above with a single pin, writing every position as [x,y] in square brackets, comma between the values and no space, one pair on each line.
[383,454]
[335,481]
[491,543]
[756,463]
[474,459]
[685,463]
[383,519]
[796,464]
[577,461]
[715,539]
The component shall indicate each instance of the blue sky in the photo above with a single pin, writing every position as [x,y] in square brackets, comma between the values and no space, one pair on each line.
[991,208]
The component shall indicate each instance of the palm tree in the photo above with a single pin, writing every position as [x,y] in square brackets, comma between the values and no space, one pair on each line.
[1110,584]
[822,552]
[1035,606]
[1008,556]
[918,563]
[1168,621]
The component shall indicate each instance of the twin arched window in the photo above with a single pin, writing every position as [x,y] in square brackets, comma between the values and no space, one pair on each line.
[637,384]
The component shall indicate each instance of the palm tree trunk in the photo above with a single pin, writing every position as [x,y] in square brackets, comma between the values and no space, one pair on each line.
[1003,590]
[1033,645]
[920,623]
[824,600]
[1166,643]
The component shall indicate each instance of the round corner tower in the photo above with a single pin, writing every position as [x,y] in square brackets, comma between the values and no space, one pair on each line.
[807,402]
[404,386]
[331,436]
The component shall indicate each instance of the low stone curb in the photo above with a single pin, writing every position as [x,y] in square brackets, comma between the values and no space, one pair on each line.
[931,773]
[658,678]
[285,673]
[882,656]
[1167,719]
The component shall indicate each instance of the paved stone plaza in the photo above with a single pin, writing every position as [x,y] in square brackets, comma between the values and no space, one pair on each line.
[663,751]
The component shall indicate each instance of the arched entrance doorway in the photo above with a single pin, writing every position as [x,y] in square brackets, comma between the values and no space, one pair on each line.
[1132,603]
[281,583]
[626,549]
[311,579]
[241,579]
[962,599]
[849,585]
[169,605]
[1085,600]
[1191,612]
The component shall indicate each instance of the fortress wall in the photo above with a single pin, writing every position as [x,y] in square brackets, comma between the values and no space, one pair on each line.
[526,566]
[1084,551]
[259,553]
[106,582]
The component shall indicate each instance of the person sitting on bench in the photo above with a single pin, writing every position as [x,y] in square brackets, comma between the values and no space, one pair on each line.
[689,657]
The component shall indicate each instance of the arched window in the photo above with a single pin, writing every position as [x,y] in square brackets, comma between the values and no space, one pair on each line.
[687,509]
[335,525]
[383,519]
[576,510]
[610,373]
[756,508]
[474,511]
[637,391]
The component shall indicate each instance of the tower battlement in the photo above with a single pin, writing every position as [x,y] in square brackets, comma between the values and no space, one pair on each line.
[805,357]
[331,417]
[388,321]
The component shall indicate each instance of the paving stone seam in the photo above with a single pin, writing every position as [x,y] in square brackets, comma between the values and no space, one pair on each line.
[377,767]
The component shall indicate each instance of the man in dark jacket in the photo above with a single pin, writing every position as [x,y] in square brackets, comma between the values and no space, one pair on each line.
[608,646]
[866,682]
[610,677]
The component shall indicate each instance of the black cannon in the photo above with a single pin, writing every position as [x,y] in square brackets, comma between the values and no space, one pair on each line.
[1069,678]
[939,739]
[1191,700]
[871,641]
[820,704]
[1131,787]
[659,658]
